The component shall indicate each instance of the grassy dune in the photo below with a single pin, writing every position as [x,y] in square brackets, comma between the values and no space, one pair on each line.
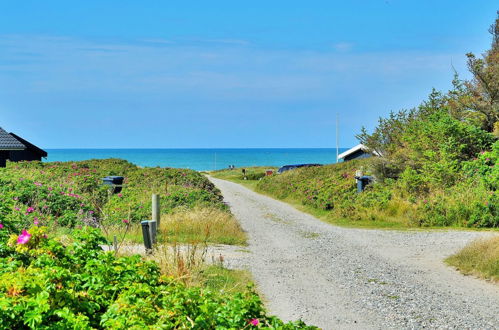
[330,193]
[206,225]
[480,258]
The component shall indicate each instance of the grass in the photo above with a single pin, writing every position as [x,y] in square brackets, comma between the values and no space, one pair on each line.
[237,176]
[187,263]
[218,278]
[479,258]
[206,225]
[394,218]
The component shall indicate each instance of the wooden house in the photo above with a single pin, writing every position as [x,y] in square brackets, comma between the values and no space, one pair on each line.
[357,152]
[15,149]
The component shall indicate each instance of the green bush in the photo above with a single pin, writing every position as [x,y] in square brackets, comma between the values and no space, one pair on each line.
[72,193]
[47,284]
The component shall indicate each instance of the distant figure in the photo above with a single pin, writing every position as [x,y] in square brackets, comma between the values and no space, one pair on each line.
[244,171]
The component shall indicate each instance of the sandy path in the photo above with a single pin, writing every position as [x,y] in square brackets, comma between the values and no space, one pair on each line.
[336,277]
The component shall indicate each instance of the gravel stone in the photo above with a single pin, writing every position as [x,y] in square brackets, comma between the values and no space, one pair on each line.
[343,278]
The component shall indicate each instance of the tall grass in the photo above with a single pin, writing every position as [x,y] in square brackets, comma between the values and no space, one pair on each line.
[210,225]
[480,257]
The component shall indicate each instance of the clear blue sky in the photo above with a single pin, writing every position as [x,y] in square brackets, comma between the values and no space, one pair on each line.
[173,74]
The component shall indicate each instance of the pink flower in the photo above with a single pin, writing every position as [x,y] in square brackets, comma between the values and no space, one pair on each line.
[24,237]
[1,226]
[35,222]
[91,212]
[38,184]
[29,209]
[17,209]
[125,221]
[120,195]
[50,188]
[254,322]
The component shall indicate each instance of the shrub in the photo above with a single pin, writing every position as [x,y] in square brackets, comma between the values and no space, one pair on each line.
[71,193]
[44,283]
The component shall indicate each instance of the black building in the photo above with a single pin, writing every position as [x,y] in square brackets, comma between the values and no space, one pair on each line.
[15,149]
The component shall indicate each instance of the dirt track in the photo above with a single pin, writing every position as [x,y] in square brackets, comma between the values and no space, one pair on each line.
[336,277]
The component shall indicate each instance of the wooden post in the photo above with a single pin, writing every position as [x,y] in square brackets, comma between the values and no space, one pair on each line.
[115,243]
[155,210]
[146,234]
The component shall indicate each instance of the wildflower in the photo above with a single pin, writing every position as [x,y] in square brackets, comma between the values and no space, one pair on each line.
[1,226]
[38,184]
[24,237]
[91,212]
[29,210]
[120,195]
[125,221]
[254,322]
[50,188]
[17,209]
[35,222]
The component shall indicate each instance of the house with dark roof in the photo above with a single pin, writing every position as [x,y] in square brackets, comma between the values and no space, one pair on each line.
[15,149]
[357,152]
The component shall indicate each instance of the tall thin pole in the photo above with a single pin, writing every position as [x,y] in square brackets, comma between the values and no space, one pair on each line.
[337,135]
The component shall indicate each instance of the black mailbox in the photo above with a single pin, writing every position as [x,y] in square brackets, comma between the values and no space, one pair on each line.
[116,182]
[362,182]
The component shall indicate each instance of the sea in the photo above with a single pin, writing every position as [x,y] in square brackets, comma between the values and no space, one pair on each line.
[202,159]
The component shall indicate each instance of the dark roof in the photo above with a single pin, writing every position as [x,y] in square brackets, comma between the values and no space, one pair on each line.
[8,142]
[30,145]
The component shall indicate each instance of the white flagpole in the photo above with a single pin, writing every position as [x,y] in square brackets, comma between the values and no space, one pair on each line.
[337,135]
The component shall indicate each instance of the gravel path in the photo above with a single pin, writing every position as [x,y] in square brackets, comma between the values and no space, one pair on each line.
[341,278]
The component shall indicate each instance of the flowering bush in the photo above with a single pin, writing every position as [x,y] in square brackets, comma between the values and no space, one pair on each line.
[45,283]
[470,202]
[71,193]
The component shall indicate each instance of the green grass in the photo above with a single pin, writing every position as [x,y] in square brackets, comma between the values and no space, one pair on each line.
[219,278]
[201,225]
[392,220]
[480,258]
[237,176]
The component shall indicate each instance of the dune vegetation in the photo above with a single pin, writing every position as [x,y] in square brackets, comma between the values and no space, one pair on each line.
[54,273]
[480,258]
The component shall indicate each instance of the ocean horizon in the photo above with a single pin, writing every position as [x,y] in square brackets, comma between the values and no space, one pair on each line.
[202,159]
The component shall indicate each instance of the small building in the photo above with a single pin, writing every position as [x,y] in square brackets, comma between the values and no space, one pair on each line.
[357,152]
[15,149]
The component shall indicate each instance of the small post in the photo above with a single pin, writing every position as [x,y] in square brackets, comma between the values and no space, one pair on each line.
[146,234]
[155,209]
[154,229]
[115,243]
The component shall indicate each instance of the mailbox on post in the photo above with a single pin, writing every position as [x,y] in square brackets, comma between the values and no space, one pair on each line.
[116,182]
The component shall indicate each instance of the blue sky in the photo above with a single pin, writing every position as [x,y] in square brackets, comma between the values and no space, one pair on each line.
[187,74]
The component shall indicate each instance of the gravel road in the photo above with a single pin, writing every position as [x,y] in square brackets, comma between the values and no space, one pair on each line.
[342,278]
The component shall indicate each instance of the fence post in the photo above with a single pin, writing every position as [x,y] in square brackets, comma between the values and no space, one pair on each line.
[115,243]
[156,216]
